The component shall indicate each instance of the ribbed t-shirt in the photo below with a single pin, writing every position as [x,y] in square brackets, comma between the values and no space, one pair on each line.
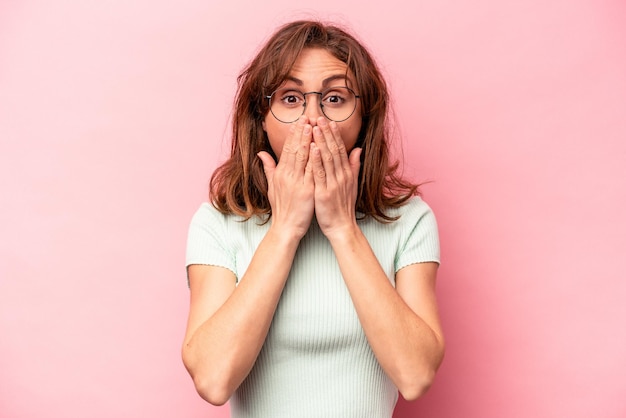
[315,361]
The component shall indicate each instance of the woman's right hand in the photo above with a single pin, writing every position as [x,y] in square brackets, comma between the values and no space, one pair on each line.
[290,182]
[228,322]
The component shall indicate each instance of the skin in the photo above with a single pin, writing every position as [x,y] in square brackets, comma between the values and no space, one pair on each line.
[316,175]
[314,70]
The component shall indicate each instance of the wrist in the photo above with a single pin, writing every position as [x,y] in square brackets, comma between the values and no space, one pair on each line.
[344,234]
[285,236]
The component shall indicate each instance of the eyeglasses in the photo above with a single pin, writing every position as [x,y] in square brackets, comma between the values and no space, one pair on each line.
[337,103]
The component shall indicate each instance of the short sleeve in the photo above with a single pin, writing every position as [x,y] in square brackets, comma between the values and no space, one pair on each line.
[207,240]
[420,236]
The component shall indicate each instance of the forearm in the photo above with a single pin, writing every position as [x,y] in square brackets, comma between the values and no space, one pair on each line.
[406,346]
[221,352]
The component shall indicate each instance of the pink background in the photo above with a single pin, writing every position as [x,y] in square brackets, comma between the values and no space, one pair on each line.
[113,115]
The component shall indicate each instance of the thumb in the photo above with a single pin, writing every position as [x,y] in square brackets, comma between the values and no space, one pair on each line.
[269,165]
[355,161]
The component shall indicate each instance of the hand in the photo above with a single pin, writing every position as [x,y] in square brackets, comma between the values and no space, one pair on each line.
[336,178]
[290,183]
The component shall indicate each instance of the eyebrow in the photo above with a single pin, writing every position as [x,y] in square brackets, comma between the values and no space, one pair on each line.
[325,82]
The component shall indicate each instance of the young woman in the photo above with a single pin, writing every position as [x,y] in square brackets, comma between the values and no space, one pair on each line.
[312,269]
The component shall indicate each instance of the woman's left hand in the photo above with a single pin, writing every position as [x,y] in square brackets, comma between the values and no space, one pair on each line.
[336,178]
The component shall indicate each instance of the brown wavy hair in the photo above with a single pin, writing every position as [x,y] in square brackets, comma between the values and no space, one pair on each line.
[239,186]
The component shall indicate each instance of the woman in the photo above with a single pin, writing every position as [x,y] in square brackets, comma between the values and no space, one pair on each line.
[312,271]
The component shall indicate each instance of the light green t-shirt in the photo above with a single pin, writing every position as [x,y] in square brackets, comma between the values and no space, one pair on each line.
[316,361]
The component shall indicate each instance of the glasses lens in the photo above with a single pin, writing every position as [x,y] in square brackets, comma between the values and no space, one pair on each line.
[338,103]
[287,105]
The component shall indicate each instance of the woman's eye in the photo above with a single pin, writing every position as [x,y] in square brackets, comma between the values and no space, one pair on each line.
[291,99]
[334,99]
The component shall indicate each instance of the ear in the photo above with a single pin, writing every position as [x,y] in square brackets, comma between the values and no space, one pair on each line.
[263,124]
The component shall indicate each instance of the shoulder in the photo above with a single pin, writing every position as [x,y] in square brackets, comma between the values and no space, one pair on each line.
[208,229]
[414,209]
[208,221]
[209,238]
[414,215]
[418,232]
[412,238]
[208,213]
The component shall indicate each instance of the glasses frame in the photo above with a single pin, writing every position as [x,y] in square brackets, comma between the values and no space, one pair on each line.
[320,94]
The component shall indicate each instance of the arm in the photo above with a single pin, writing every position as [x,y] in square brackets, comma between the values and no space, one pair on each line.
[227,325]
[401,324]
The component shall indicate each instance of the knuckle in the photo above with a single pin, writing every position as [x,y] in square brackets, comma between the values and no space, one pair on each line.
[300,157]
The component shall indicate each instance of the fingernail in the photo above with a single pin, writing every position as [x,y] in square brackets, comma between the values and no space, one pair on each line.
[307,129]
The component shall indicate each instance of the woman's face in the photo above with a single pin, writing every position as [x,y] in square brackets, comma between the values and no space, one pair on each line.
[315,70]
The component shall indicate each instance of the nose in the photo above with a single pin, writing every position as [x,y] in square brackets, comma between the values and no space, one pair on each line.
[313,109]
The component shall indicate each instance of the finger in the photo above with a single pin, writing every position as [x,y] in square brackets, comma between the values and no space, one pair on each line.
[269,165]
[308,169]
[302,155]
[292,142]
[338,148]
[355,161]
[326,157]
[317,167]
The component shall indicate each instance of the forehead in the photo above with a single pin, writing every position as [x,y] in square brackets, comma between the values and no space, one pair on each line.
[317,67]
